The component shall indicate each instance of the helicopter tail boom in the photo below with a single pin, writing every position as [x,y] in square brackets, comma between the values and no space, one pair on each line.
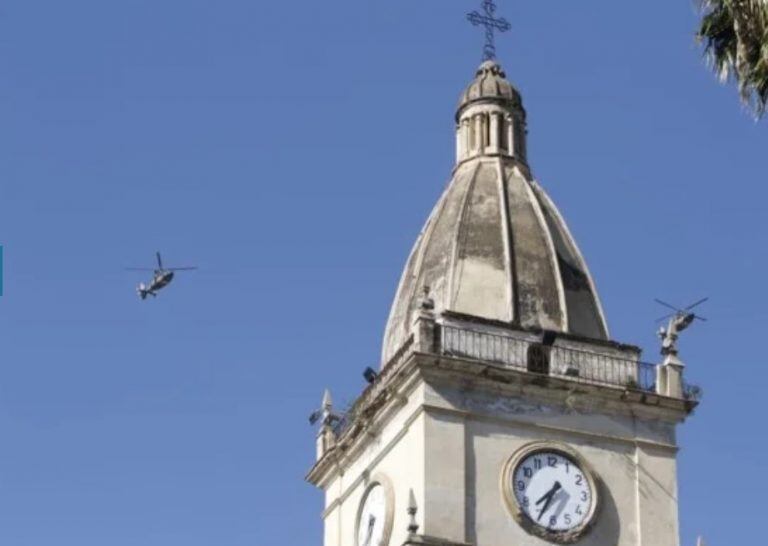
[143,291]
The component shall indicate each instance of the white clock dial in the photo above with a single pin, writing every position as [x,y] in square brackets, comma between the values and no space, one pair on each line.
[371,524]
[553,491]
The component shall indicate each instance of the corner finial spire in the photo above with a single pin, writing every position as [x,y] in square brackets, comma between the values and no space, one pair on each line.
[327,403]
[492,24]
[413,527]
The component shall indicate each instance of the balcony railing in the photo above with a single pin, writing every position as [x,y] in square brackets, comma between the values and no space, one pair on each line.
[554,361]
[565,363]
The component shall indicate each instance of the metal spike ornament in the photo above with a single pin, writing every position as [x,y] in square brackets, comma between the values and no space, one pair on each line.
[492,24]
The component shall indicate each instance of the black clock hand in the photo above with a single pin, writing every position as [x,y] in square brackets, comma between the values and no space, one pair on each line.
[548,498]
[549,493]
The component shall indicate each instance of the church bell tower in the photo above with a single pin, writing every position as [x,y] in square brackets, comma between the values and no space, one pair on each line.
[503,412]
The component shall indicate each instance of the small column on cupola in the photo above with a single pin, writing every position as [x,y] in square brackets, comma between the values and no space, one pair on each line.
[495,133]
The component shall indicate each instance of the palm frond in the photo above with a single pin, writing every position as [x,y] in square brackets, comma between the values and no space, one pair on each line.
[735,38]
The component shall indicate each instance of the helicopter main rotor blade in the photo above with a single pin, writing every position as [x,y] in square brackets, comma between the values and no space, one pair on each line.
[159,261]
[180,269]
[699,318]
[139,269]
[665,317]
[665,304]
[697,303]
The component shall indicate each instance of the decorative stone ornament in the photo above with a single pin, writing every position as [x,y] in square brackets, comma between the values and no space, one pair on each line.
[376,513]
[413,526]
[551,491]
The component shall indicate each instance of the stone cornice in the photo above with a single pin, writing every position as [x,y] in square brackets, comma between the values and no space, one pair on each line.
[403,376]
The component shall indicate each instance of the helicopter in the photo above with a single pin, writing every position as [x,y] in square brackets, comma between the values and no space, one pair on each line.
[678,321]
[162,278]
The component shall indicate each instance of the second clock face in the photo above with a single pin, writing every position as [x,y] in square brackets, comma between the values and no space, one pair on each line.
[553,491]
[370,526]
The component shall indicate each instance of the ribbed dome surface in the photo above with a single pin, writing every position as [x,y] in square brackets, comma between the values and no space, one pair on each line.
[496,247]
[490,83]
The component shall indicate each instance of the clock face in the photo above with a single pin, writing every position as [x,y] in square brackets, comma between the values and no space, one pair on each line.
[553,491]
[373,515]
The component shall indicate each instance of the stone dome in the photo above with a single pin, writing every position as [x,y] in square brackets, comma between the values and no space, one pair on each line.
[490,83]
[495,246]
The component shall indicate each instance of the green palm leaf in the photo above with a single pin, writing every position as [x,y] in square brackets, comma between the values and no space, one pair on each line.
[735,38]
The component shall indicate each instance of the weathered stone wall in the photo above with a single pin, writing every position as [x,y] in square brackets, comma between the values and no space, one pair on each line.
[635,461]
[450,440]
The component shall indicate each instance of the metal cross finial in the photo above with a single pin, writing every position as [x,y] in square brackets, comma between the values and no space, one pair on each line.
[491,23]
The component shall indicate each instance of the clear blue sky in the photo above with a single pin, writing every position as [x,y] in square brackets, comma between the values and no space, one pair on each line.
[292,150]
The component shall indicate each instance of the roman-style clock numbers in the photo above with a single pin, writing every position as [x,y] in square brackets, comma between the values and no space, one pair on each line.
[551,491]
[375,516]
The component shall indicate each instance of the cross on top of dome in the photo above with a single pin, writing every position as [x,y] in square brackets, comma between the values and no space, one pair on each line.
[492,24]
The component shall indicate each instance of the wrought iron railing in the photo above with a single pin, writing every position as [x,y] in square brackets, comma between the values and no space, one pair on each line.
[565,363]
[554,361]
